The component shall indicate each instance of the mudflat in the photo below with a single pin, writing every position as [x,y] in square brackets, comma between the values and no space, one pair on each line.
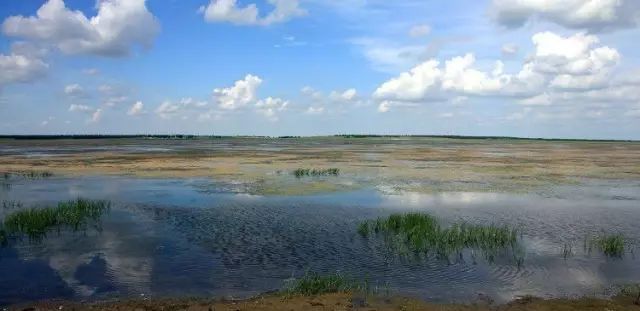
[265,165]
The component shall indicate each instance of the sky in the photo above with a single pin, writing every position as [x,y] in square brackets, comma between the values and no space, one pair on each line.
[527,68]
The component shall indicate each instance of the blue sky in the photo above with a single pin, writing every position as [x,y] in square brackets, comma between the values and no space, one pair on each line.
[553,68]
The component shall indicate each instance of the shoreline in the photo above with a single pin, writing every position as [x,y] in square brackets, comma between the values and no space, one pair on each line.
[338,301]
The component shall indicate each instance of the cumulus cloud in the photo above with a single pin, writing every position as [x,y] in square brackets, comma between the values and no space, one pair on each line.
[562,64]
[118,26]
[345,96]
[594,15]
[21,65]
[270,106]
[229,11]
[73,90]
[136,109]
[239,95]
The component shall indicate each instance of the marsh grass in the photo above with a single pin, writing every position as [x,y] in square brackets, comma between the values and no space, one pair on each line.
[3,237]
[312,283]
[35,223]
[27,175]
[302,172]
[422,233]
[612,245]
[11,204]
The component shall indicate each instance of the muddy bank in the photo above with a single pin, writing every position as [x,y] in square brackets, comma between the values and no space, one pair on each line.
[342,301]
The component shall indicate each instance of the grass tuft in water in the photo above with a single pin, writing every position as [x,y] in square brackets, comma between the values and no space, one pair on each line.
[312,283]
[36,222]
[612,245]
[422,233]
[302,172]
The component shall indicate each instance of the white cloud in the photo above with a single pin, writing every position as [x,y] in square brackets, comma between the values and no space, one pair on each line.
[419,83]
[118,26]
[509,49]
[345,96]
[419,31]
[73,90]
[594,15]
[115,100]
[167,110]
[80,108]
[97,115]
[270,106]
[229,11]
[314,110]
[136,109]
[543,99]
[565,64]
[242,93]
[21,65]
[387,56]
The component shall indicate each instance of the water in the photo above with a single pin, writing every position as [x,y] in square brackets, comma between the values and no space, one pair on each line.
[197,237]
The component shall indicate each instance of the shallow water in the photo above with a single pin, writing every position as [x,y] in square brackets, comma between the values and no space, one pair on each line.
[196,237]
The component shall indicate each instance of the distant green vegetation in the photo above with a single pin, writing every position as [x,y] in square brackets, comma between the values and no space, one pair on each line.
[612,245]
[27,174]
[311,284]
[35,223]
[301,172]
[422,233]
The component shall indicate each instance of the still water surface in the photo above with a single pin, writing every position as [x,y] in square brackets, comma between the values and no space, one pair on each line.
[194,237]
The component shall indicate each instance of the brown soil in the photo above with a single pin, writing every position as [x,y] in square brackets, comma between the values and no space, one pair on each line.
[342,301]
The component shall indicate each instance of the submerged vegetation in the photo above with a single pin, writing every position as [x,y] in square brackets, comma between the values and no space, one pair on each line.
[422,233]
[35,223]
[301,172]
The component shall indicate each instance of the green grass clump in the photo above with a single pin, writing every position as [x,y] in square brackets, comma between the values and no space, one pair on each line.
[612,245]
[419,232]
[36,222]
[312,283]
[302,172]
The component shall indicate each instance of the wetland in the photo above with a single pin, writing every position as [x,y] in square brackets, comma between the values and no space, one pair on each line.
[437,220]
